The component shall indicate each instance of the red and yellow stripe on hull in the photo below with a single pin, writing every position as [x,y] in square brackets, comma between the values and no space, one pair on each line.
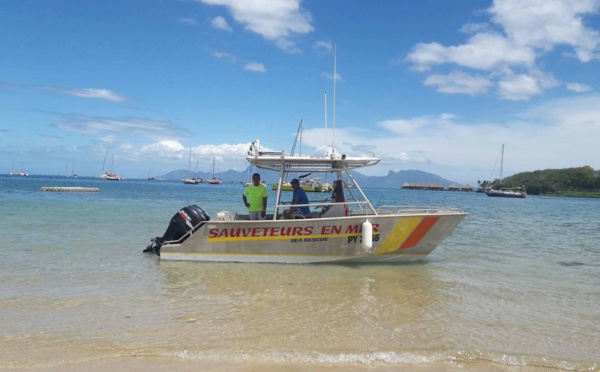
[407,233]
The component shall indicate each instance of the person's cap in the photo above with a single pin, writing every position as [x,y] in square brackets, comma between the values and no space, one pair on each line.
[295,180]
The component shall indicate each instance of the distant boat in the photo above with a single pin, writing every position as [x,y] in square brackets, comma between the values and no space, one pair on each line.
[72,175]
[307,184]
[246,184]
[214,180]
[20,173]
[509,192]
[110,175]
[250,173]
[152,178]
[191,180]
[113,177]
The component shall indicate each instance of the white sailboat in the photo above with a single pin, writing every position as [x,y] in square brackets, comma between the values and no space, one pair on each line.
[21,172]
[111,175]
[153,178]
[509,192]
[190,180]
[214,180]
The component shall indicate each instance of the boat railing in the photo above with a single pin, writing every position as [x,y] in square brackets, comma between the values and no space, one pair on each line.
[362,206]
[390,209]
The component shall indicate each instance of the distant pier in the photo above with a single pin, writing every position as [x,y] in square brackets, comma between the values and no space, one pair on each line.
[69,189]
[436,187]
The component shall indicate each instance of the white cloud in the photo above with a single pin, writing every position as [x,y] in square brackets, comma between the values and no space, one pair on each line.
[129,126]
[579,88]
[165,149]
[517,87]
[255,67]
[91,93]
[221,24]
[559,134]
[325,46]
[224,55]
[405,158]
[275,20]
[459,82]
[188,21]
[329,76]
[526,31]
[418,124]
[482,52]
[545,24]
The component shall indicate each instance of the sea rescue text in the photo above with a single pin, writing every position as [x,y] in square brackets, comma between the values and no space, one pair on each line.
[288,231]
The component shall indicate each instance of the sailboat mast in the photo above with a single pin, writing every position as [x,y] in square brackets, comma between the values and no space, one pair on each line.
[501,163]
[104,162]
[190,165]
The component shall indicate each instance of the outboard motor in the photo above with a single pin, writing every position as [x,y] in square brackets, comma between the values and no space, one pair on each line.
[187,219]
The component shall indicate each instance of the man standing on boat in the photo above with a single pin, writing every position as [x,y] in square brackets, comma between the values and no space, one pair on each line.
[255,198]
[299,197]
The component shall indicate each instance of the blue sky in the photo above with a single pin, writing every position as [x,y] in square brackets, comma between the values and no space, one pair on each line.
[431,85]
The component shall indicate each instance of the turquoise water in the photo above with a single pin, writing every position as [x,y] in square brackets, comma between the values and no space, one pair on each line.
[517,285]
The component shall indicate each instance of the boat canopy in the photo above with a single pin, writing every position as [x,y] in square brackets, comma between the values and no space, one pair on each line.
[278,160]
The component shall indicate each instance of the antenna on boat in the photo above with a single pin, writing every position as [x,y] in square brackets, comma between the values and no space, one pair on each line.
[326,144]
[334,81]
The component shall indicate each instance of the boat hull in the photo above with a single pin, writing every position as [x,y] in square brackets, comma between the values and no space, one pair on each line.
[395,238]
[506,194]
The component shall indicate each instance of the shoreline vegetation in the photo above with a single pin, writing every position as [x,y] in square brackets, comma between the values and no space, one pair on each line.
[583,182]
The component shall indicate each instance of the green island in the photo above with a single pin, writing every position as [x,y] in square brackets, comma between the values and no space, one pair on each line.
[577,182]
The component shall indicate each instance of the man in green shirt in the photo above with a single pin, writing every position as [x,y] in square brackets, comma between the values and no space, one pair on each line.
[255,198]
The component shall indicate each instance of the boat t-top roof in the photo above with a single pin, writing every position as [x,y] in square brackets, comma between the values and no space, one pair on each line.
[278,160]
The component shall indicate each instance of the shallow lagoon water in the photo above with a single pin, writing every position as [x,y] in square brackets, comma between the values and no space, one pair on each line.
[516,287]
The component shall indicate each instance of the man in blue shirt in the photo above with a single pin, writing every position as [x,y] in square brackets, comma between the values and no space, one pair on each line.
[299,197]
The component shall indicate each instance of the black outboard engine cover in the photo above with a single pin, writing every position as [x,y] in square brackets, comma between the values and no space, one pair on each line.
[187,219]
